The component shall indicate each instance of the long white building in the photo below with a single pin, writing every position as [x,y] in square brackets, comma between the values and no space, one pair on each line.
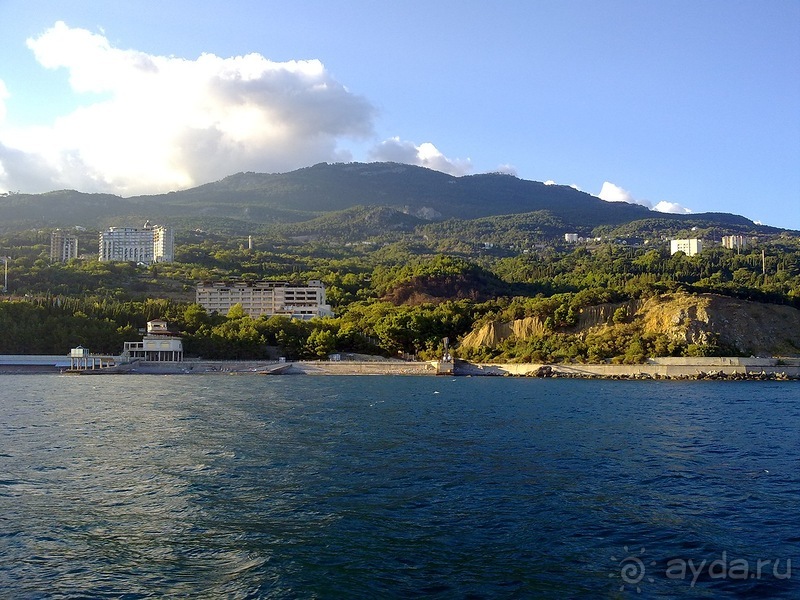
[146,245]
[265,298]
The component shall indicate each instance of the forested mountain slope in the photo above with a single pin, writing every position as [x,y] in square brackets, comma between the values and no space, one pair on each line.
[244,201]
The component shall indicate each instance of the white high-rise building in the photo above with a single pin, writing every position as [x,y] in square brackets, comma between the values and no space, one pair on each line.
[736,242]
[265,298]
[63,246]
[146,245]
[163,244]
[689,247]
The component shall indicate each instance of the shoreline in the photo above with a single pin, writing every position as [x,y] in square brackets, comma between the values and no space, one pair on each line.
[699,369]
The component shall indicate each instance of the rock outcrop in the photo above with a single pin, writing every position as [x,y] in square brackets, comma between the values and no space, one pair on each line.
[494,332]
[751,328]
[743,327]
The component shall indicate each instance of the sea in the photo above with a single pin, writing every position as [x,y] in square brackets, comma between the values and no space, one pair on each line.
[252,486]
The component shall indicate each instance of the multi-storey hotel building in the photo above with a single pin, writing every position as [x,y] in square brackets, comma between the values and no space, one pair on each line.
[63,246]
[163,244]
[146,245]
[265,298]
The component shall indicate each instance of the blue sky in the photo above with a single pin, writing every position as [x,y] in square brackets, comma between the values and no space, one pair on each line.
[678,105]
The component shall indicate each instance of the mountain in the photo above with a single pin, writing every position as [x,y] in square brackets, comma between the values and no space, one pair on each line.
[246,200]
[417,190]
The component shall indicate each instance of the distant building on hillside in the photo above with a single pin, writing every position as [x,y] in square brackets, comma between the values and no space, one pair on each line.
[571,238]
[689,247]
[736,242]
[63,246]
[146,245]
[265,298]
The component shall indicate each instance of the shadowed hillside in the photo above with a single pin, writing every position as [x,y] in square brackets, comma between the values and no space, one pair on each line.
[247,200]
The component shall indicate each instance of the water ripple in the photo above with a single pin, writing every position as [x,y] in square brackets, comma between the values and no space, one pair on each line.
[250,487]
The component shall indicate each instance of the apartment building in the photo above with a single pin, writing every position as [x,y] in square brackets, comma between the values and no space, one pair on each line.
[265,298]
[63,246]
[163,244]
[146,245]
[689,247]
[736,242]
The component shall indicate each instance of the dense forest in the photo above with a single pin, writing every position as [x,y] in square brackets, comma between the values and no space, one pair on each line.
[393,294]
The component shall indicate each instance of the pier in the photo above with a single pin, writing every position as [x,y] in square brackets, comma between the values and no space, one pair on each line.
[81,360]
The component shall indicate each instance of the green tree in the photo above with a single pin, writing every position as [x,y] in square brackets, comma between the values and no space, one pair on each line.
[321,343]
[236,311]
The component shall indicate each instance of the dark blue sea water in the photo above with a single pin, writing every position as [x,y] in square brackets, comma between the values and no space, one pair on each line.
[397,487]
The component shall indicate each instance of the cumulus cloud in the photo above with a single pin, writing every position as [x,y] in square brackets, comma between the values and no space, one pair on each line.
[158,123]
[571,185]
[611,192]
[671,207]
[507,169]
[425,155]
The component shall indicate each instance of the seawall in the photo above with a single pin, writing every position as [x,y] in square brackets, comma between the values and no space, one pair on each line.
[377,367]
[362,368]
[659,368]
[666,368]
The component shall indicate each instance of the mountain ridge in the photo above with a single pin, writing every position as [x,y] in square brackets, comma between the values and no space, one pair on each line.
[246,199]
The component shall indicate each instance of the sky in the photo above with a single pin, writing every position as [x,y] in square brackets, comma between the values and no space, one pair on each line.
[682,106]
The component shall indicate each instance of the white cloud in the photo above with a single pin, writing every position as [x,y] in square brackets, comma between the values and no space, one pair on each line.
[571,185]
[671,207]
[425,155]
[611,192]
[507,169]
[162,123]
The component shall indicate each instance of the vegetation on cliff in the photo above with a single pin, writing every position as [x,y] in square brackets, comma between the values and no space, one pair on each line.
[678,324]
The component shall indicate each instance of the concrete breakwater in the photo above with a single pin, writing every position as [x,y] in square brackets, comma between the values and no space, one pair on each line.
[659,368]
[662,368]
[56,364]
[393,367]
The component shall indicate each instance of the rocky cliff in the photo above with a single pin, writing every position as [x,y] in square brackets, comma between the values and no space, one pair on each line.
[743,327]
[495,332]
[750,328]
